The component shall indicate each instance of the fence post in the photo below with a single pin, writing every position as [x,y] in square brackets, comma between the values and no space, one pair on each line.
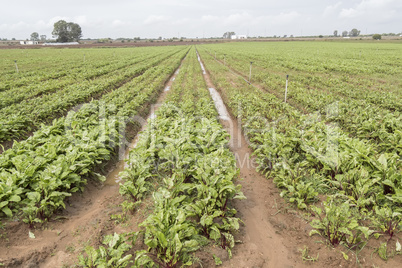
[16,66]
[286,90]
[249,78]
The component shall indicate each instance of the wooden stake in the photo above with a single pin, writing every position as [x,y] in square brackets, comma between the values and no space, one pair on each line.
[16,66]
[249,78]
[286,90]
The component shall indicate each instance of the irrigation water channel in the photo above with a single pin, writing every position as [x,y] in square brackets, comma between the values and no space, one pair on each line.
[113,177]
[261,245]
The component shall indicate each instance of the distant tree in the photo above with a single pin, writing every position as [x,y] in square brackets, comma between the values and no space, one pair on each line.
[336,33]
[13,38]
[354,32]
[377,36]
[104,40]
[60,30]
[43,38]
[228,35]
[321,36]
[344,33]
[285,36]
[67,31]
[75,31]
[34,36]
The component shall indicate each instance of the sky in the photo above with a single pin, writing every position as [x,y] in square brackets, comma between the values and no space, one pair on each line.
[201,18]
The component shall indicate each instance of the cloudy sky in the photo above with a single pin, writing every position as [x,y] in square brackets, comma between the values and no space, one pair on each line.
[197,18]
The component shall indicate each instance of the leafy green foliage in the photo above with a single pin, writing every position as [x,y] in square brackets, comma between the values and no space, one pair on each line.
[184,152]
[377,36]
[217,260]
[382,251]
[66,31]
[387,220]
[333,137]
[170,233]
[37,174]
[114,255]
[340,224]
[18,117]
[306,257]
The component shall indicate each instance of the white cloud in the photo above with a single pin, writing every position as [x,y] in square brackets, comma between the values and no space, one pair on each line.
[118,23]
[81,20]
[247,19]
[285,18]
[183,21]
[209,18]
[237,19]
[350,13]
[376,8]
[153,19]
[331,9]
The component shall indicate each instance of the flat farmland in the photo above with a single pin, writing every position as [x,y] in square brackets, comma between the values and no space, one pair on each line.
[240,154]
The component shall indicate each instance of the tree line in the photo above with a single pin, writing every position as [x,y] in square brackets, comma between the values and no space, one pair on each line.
[353,33]
[63,31]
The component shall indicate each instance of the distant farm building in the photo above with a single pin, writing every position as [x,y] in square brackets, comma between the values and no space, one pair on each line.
[29,42]
[239,36]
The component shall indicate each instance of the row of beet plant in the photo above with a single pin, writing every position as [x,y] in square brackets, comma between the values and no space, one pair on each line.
[36,175]
[58,64]
[362,110]
[17,119]
[183,159]
[332,72]
[68,77]
[308,157]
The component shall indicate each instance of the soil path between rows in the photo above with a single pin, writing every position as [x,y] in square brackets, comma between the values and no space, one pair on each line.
[261,246]
[276,234]
[273,235]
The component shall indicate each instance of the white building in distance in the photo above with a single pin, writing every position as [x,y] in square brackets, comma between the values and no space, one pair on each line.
[29,42]
[238,36]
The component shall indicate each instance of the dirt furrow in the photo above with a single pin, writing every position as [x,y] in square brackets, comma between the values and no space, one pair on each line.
[261,246]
